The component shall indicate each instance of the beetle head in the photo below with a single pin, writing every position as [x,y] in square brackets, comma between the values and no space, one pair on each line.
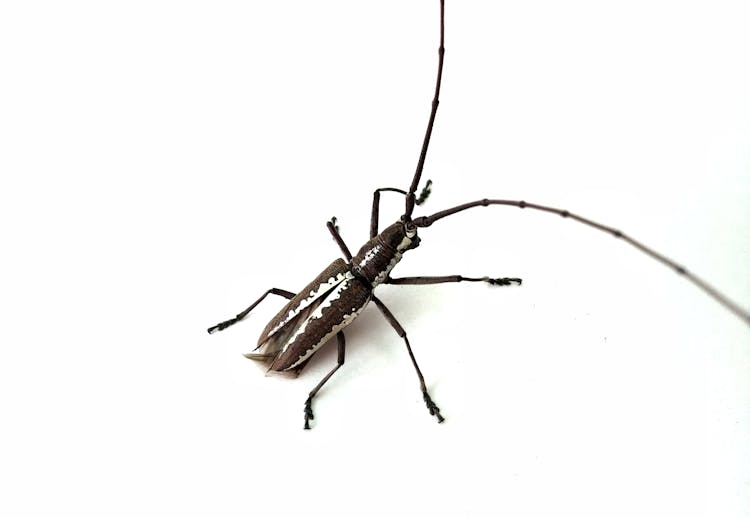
[401,236]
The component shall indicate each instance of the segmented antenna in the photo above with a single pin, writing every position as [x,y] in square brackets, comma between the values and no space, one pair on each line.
[729,304]
[426,221]
[410,197]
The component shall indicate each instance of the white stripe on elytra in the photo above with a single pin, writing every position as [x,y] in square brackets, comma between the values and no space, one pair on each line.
[347,319]
[318,312]
[314,295]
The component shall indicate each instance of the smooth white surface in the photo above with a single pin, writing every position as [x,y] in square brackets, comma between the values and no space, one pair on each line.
[164,163]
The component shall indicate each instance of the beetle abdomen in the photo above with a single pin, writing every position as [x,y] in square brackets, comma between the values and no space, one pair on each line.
[308,296]
[324,307]
[336,311]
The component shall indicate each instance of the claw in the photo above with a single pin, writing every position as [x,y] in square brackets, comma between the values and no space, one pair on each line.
[308,413]
[504,281]
[333,223]
[425,193]
[432,407]
[221,326]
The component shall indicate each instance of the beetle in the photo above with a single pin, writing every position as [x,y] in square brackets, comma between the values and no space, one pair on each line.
[338,295]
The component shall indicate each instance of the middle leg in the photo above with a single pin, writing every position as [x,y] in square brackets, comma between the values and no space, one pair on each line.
[340,361]
[375,215]
[500,281]
[431,406]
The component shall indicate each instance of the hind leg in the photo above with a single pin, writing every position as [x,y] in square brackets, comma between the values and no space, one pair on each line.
[223,325]
[308,403]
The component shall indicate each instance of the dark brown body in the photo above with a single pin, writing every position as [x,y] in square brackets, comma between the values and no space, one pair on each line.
[330,302]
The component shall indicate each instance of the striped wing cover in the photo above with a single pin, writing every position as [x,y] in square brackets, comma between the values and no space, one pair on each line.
[311,318]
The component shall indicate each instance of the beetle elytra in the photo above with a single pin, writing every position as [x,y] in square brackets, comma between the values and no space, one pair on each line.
[320,311]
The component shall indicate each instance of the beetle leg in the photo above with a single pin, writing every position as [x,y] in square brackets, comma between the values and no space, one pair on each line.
[375,216]
[426,190]
[308,404]
[333,228]
[729,304]
[223,325]
[431,406]
[501,281]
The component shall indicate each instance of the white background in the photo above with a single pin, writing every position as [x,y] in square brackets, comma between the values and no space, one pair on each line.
[164,163]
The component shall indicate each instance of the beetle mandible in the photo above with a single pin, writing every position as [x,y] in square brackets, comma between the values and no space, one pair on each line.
[335,298]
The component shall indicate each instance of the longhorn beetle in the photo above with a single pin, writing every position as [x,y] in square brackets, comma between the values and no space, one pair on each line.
[336,297]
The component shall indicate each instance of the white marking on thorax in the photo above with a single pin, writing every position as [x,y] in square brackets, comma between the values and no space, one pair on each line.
[405,242]
[383,274]
[369,255]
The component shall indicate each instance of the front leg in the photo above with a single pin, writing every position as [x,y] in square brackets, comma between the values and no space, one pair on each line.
[499,281]
[333,228]
[375,216]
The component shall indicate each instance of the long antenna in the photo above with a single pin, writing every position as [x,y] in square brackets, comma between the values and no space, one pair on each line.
[729,304]
[410,197]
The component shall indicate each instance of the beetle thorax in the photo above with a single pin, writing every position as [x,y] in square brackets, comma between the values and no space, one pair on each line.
[379,255]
